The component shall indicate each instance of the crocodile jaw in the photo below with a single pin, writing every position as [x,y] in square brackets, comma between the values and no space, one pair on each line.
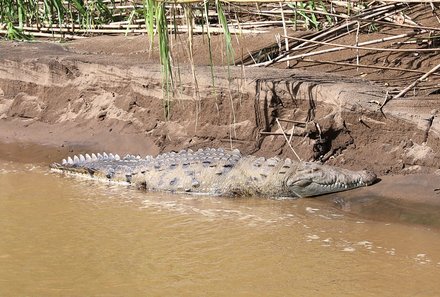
[311,179]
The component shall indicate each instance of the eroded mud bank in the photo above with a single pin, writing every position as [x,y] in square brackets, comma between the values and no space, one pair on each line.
[51,95]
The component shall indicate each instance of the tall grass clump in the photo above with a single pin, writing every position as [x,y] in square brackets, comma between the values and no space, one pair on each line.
[28,14]
[165,56]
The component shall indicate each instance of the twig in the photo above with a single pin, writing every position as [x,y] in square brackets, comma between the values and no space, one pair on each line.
[363,66]
[292,121]
[433,11]
[387,97]
[325,33]
[357,44]
[342,26]
[340,47]
[322,34]
[53,35]
[428,127]
[401,25]
[412,85]
[343,46]
[275,13]
[286,40]
[272,133]
[287,140]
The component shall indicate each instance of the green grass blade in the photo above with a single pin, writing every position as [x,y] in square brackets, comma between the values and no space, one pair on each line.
[149,13]
[130,21]
[228,39]
[208,34]
[79,6]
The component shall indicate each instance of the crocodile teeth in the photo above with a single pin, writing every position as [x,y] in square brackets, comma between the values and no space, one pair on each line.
[94,158]
[75,159]
[104,155]
[110,156]
[137,157]
[117,158]
[100,157]
[64,162]
[88,158]
[69,160]
[81,158]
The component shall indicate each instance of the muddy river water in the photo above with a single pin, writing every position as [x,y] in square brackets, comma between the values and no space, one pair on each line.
[60,236]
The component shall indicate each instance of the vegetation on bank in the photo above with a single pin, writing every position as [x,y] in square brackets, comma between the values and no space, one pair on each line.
[71,19]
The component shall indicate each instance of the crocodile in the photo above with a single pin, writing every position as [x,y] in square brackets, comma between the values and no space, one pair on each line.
[217,172]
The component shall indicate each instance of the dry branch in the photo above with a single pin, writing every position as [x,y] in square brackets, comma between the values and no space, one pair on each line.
[418,27]
[340,47]
[412,85]
[344,46]
[287,140]
[341,29]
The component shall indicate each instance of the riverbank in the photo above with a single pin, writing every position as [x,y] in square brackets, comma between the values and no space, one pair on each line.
[73,99]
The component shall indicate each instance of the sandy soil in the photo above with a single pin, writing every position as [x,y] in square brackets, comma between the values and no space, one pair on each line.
[104,93]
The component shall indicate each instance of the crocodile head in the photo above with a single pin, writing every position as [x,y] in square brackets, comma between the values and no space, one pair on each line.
[311,179]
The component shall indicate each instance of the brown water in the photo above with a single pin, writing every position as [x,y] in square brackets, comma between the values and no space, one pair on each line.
[62,236]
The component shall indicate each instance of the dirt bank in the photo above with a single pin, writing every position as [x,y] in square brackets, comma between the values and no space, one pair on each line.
[52,94]
[74,99]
